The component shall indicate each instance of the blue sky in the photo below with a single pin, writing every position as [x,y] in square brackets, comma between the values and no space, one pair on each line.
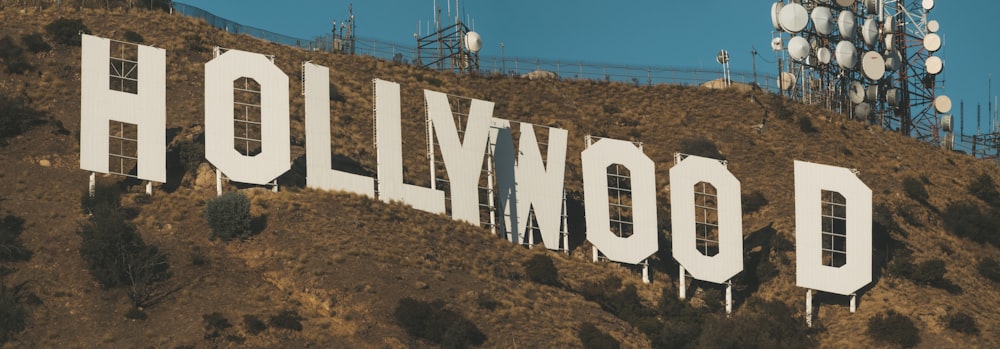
[640,32]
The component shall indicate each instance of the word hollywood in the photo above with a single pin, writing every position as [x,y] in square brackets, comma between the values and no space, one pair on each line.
[829,201]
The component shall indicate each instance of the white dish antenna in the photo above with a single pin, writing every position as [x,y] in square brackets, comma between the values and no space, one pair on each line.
[798,48]
[775,11]
[948,141]
[856,92]
[793,18]
[473,41]
[863,110]
[933,26]
[888,26]
[822,18]
[893,61]
[776,44]
[893,97]
[932,42]
[722,57]
[928,5]
[946,123]
[942,104]
[845,3]
[872,65]
[824,55]
[872,6]
[787,81]
[889,42]
[869,32]
[846,54]
[871,94]
[845,22]
[934,65]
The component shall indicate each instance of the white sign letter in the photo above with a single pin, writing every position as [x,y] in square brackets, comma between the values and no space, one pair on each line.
[146,108]
[319,174]
[388,137]
[463,158]
[274,158]
[595,161]
[833,235]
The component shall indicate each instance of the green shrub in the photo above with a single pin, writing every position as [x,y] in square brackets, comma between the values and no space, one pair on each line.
[216,321]
[701,146]
[11,248]
[229,216]
[288,319]
[134,313]
[989,268]
[961,322]
[893,328]
[806,125]
[13,313]
[35,43]
[66,31]
[105,194]
[16,116]
[966,219]
[762,324]
[593,338]
[914,188]
[9,49]
[753,202]
[118,257]
[540,269]
[253,325]
[132,37]
[431,321]
[930,272]
[985,189]
[191,154]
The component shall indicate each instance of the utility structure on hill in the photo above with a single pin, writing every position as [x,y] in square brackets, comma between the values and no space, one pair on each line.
[343,41]
[871,59]
[454,47]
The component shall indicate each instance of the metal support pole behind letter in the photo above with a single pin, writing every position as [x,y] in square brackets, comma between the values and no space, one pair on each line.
[92,189]
[149,188]
[682,288]
[809,307]
[218,182]
[729,298]
[595,253]
[854,302]
[645,271]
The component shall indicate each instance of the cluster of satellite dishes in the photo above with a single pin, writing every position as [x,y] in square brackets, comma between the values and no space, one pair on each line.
[871,52]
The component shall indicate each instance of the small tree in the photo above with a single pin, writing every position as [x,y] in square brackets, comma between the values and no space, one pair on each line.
[540,269]
[66,31]
[228,216]
[891,327]
[12,313]
[914,188]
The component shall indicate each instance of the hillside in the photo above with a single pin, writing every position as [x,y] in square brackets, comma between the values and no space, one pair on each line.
[341,263]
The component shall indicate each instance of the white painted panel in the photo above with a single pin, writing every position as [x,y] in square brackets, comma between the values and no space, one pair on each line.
[319,172]
[595,161]
[810,180]
[388,137]
[531,182]
[147,109]
[504,168]
[683,177]
[463,158]
[275,156]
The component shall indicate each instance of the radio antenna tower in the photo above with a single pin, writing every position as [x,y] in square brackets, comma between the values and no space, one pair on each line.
[454,47]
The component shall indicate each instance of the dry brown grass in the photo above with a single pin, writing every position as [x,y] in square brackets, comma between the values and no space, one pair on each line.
[342,261]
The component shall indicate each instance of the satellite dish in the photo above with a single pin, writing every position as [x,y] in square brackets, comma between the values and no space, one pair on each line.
[722,57]
[793,18]
[942,104]
[473,41]
[824,55]
[946,123]
[798,48]
[892,96]
[775,10]
[822,18]
[888,27]
[872,65]
[856,92]
[932,42]
[871,94]
[893,61]
[928,5]
[869,32]
[871,6]
[862,110]
[934,65]
[889,42]
[845,3]
[933,26]
[787,81]
[948,141]
[845,22]
[776,44]
[846,54]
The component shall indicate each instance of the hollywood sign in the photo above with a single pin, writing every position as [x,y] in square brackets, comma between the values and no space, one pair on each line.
[830,201]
